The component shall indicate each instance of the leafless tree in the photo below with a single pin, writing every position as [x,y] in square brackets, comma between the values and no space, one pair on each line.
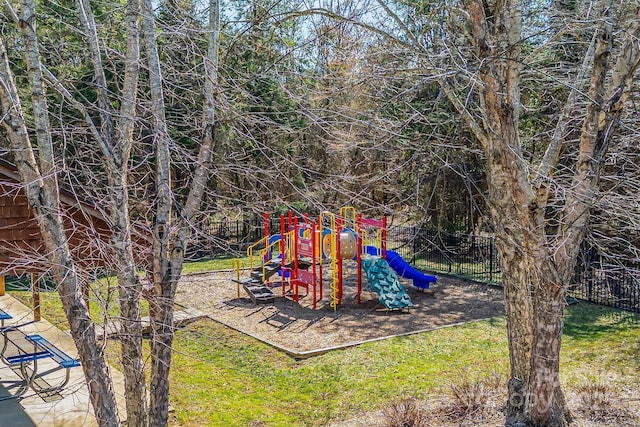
[111,124]
[537,259]
[41,186]
[171,229]
[540,204]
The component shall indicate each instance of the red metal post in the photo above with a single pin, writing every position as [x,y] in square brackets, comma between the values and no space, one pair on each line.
[282,254]
[313,260]
[294,272]
[266,236]
[320,229]
[339,258]
[359,258]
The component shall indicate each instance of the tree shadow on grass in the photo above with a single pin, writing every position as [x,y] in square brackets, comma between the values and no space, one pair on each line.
[585,321]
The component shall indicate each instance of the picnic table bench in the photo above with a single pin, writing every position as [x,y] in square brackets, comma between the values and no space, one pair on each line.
[4,316]
[22,351]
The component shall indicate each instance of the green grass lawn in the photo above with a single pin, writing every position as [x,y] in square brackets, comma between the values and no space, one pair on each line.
[103,302]
[216,264]
[221,377]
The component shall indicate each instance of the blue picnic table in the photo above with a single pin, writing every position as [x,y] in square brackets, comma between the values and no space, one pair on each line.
[23,351]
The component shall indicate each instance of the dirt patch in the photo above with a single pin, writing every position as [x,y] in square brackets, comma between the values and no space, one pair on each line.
[302,331]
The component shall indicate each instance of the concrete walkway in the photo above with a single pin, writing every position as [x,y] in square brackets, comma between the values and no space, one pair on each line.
[70,407]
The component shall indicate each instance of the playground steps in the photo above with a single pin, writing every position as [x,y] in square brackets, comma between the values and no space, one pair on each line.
[259,294]
[254,284]
[273,266]
[270,268]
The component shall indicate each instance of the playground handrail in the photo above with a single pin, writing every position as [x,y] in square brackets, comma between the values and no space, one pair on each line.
[271,249]
[264,241]
[349,216]
[375,241]
[290,249]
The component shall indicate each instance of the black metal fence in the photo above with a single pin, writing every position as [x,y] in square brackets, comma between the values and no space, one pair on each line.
[459,254]
[466,255]
[606,283]
[228,238]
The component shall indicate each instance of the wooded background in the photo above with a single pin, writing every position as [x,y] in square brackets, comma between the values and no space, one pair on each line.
[317,113]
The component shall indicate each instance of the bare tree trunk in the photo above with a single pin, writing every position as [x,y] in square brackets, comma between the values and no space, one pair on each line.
[545,404]
[129,284]
[537,267]
[519,328]
[42,193]
[171,234]
[161,303]
[116,142]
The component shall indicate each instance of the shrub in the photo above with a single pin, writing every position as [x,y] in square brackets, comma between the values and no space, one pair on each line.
[406,412]
[600,403]
[469,397]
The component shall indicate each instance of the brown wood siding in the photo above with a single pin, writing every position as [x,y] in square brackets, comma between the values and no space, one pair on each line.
[21,247]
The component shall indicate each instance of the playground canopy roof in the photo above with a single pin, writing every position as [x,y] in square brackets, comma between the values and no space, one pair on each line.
[21,245]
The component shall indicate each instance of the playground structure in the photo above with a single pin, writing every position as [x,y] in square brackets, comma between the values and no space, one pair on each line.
[303,249]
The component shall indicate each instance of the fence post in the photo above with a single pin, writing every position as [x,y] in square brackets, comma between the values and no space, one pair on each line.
[589,290]
[414,237]
[491,242]
[35,290]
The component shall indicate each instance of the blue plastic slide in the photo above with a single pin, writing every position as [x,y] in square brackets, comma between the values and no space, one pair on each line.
[404,269]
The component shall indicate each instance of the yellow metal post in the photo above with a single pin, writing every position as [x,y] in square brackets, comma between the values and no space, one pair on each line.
[2,290]
[333,252]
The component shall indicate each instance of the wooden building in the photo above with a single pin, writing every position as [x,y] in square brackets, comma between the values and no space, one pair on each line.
[21,247]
